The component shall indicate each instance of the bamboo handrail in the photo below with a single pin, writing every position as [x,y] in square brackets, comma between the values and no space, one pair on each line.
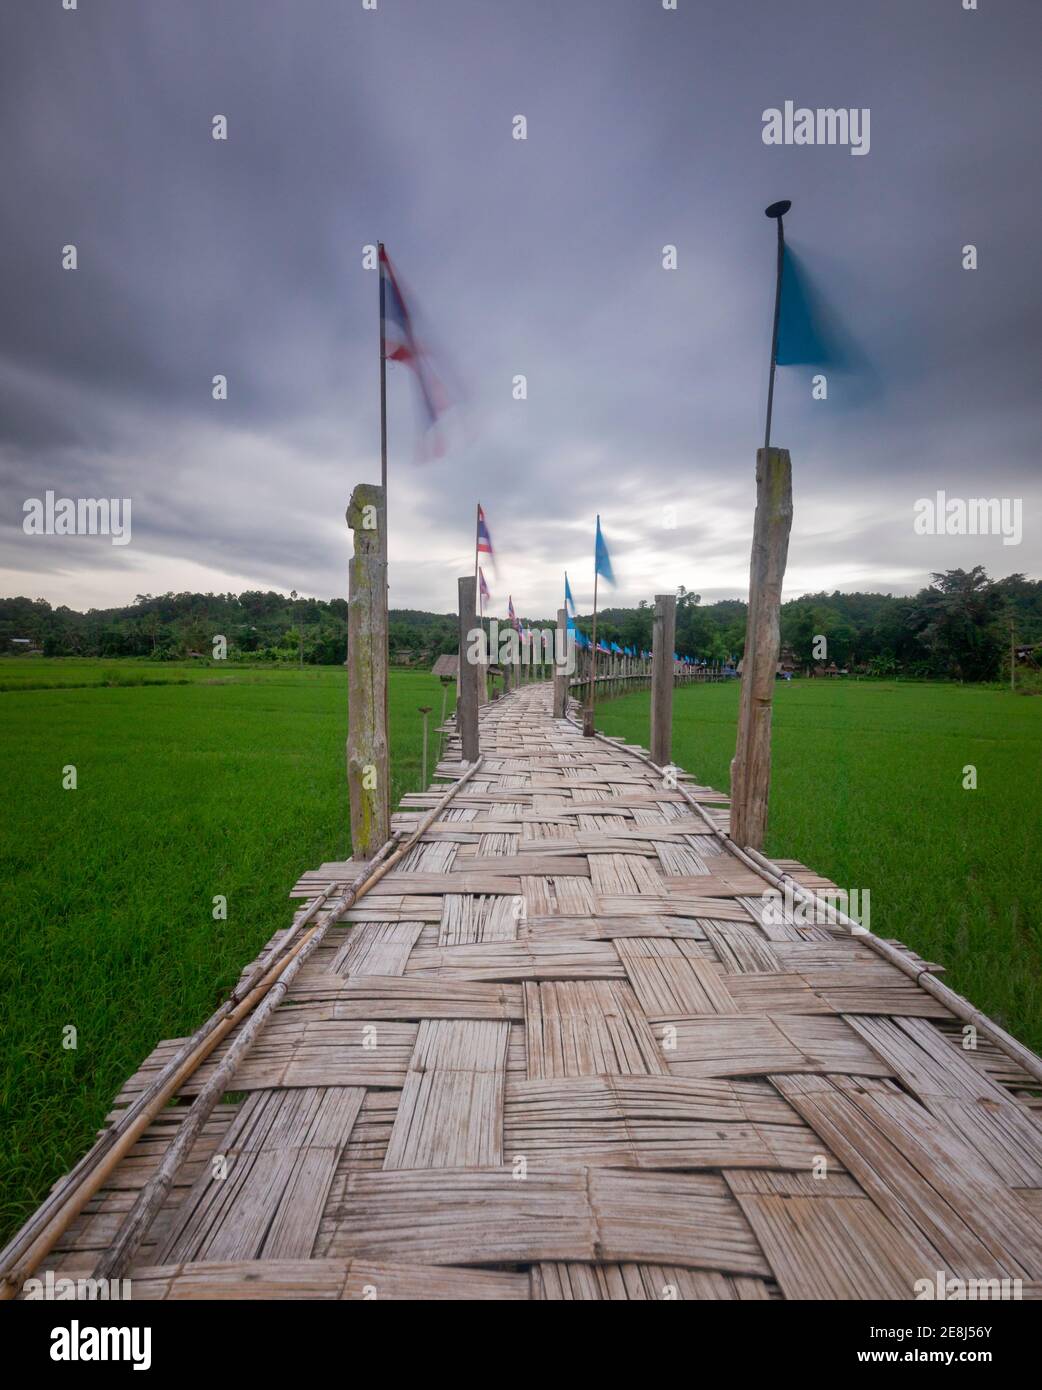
[761,865]
[24,1252]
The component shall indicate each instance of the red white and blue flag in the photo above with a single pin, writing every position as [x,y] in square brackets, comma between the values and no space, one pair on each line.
[400,343]
[484,539]
[512,616]
[482,586]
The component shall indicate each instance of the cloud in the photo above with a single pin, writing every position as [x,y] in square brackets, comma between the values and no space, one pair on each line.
[542,257]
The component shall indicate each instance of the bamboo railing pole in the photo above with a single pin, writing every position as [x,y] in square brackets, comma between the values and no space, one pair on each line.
[958,1005]
[71,1206]
[153,1195]
[174,1070]
[72,1202]
[777,878]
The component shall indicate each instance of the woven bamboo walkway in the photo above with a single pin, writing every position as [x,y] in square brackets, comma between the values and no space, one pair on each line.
[558,1053]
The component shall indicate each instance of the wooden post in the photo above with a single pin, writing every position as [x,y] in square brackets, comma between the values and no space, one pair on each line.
[469,672]
[751,766]
[560,672]
[444,707]
[482,671]
[1012,657]
[663,638]
[368,760]
[424,710]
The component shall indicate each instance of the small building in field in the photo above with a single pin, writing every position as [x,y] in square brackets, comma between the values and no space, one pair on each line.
[446,666]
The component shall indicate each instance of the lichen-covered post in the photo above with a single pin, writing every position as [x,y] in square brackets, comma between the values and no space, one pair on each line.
[470,671]
[561,671]
[751,767]
[663,639]
[368,760]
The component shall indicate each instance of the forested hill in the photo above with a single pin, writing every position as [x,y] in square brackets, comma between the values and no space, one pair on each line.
[957,626]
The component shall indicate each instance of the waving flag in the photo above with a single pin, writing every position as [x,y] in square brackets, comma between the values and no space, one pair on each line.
[807,332]
[569,602]
[602,560]
[512,616]
[582,642]
[484,539]
[400,344]
[482,586]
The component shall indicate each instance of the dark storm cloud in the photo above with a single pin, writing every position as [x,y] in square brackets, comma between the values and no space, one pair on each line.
[540,257]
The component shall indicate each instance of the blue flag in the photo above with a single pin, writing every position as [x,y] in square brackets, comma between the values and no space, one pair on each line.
[602,560]
[807,332]
[569,602]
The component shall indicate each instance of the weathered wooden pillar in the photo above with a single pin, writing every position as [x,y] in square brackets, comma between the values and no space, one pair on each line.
[561,671]
[470,672]
[663,638]
[368,760]
[751,767]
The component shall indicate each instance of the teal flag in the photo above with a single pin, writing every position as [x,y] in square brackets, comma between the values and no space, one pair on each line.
[569,602]
[808,334]
[602,560]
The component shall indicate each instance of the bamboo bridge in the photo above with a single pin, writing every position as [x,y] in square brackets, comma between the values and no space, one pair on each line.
[548,1043]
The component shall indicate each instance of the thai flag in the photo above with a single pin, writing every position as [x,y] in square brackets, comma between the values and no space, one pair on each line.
[512,616]
[400,343]
[484,539]
[482,586]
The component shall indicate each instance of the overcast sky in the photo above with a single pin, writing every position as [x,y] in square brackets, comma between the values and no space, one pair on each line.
[646,386]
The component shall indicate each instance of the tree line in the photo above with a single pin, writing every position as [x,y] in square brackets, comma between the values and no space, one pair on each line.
[958,626]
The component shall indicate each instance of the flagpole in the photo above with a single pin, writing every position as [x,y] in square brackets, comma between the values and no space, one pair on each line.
[383,381]
[477,581]
[477,542]
[385,538]
[593,655]
[776,211]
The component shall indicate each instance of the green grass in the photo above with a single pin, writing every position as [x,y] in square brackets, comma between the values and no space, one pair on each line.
[867,788]
[76,673]
[231,783]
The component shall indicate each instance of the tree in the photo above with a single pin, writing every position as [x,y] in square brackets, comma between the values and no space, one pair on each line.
[958,620]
